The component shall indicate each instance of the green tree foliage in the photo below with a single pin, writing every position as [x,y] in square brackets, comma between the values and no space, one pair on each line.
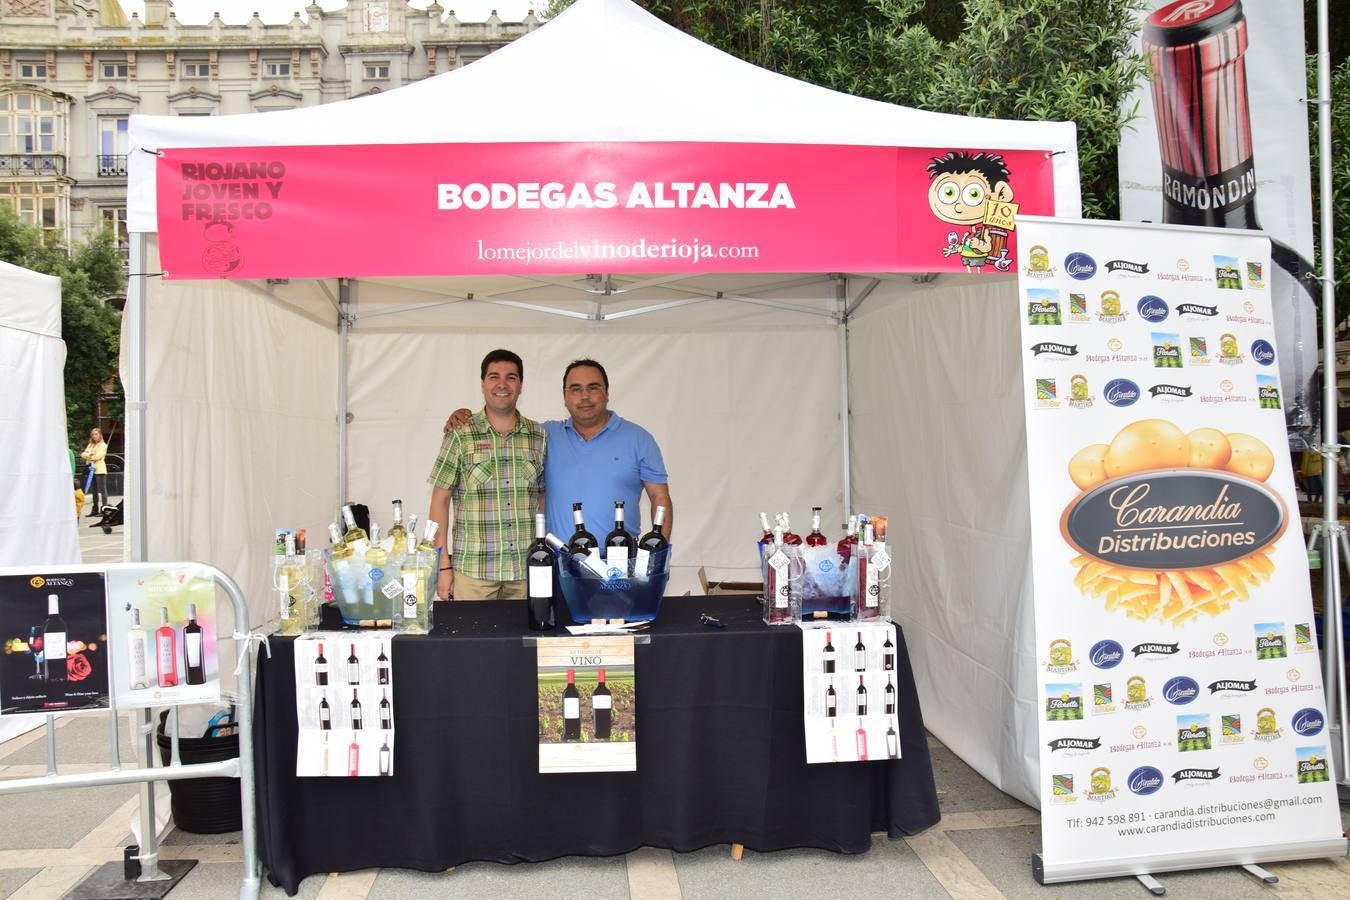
[90,273]
[1067,60]
[1340,177]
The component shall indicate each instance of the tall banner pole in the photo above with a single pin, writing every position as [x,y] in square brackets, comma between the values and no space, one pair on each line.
[1182,717]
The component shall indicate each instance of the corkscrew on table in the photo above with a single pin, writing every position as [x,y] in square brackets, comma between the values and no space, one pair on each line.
[147,773]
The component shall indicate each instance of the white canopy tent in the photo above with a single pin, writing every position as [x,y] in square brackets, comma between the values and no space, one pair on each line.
[744,378]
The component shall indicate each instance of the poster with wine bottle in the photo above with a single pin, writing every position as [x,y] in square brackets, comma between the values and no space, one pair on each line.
[344,705]
[587,711]
[164,635]
[1177,684]
[55,630]
[849,692]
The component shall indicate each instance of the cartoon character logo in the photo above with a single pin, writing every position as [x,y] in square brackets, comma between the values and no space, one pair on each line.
[962,185]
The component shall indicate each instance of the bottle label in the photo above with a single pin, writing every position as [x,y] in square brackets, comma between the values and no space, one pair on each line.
[880,558]
[642,562]
[601,701]
[359,548]
[353,754]
[353,673]
[283,593]
[409,596]
[1199,198]
[890,707]
[193,646]
[164,650]
[860,659]
[321,673]
[617,558]
[828,657]
[872,596]
[323,714]
[136,645]
[571,707]
[392,589]
[541,581]
[830,701]
[779,564]
[596,564]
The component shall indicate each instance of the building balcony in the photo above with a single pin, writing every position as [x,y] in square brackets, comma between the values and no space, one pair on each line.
[112,166]
[31,165]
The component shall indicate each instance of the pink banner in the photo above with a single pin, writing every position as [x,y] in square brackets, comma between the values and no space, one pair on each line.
[570,208]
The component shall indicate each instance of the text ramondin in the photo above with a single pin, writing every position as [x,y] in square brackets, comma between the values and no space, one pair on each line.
[606,195]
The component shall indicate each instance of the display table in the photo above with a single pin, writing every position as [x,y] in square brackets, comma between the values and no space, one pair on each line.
[721,756]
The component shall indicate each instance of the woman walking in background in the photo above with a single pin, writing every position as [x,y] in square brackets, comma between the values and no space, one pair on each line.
[94,453]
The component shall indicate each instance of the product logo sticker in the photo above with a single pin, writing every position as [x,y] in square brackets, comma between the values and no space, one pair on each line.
[1230,729]
[1180,690]
[1061,788]
[1155,649]
[1080,266]
[1268,391]
[1270,640]
[1063,702]
[1254,279]
[1173,393]
[1046,394]
[1267,726]
[1078,311]
[1152,308]
[1121,392]
[1080,397]
[1127,266]
[1038,263]
[1145,780]
[1136,693]
[1312,765]
[1099,784]
[1197,309]
[1199,351]
[1110,311]
[1226,274]
[1166,350]
[1181,775]
[1262,352]
[1231,687]
[1054,349]
[1081,745]
[1193,733]
[1229,354]
[1101,699]
[1307,722]
[1106,654]
[1042,306]
[1303,637]
[1061,657]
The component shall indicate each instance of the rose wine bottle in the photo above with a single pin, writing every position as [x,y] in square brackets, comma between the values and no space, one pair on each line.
[356,711]
[888,654]
[831,701]
[136,653]
[789,538]
[382,667]
[321,668]
[166,651]
[353,667]
[765,539]
[354,758]
[619,544]
[192,648]
[54,644]
[777,590]
[601,706]
[869,587]
[386,712]
[581,538]
[653,541]
[828,654]
[323,758]
[539,572]
[890,697]
[862,696]
[571,709]
[860,738]
[845,546]
[859,655]
[892,742]
[325,714]
[815,538]
[385,757]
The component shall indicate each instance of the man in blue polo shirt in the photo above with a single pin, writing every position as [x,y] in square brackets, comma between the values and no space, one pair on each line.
[595,458]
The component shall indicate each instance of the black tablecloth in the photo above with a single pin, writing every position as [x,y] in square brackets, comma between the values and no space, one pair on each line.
[721,755]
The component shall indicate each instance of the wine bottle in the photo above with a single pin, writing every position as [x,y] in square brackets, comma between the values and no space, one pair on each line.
[385,757]
[338,550]
[354,758]
[862,696]
[834,743]
[325,714]
[355,537]
[321,668]
[323,758]
[778,589]
[136,653]
[831,701]
[356,711]
[827,655]
[815,538]
[859,655]
[539,583]
[892,742]
[429,535]
[54,638]
[601,707]
[192,649]
[287,580]
[653,541]
[166,651]
[411,538]
[382,667]
[618,543]
[386,712]
[415,573]
[789,538]
[1205,141]
[869,585]
[581,538]
[766,539]
[397,532]
[846,543]
[375,554]
[571,709]
[590,560]
[860,738]
[888,654]
[353,667]
[890,696]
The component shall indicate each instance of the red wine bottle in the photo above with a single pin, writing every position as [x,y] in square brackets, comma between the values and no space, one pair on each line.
[890,697]
[356,711]
[815,538]
[827,655]
[54,639]
[619,544]
[539,583]
[888,654]
[325,714]
[601,707]
[386,712]
[831,701]
[192,648]
[582,540]
[382,667]
[321,668]
[653,541]
[353,667]
[862,696]
[859,655]
[571,709]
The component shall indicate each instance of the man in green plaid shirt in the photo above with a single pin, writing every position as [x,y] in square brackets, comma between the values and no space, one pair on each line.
[493,471]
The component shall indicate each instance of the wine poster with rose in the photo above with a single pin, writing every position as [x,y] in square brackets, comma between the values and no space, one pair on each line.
[1178,688]
[164,634]
[55,631]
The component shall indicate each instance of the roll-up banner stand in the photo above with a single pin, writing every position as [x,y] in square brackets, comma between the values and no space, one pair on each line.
[1182,717]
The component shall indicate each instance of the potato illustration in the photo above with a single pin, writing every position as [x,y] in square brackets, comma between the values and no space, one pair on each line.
[1251,457]
[1147,444]
[1209,448]
[1086,468]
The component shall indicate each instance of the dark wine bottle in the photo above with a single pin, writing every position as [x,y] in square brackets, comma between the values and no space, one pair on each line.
[321,668]
[382,667]
[539,570]
[54,650]
[353,668]
[888,654]
[652,542]
[386,712]
[192,648]
[582,540]
[831,701]
[619,544]
[862,696]
[828,654]
[571,709]
[859,655]
[325,714]
[890,697]
[602,706]
[356,711]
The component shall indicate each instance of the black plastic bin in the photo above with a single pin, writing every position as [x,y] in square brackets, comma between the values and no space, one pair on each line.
[202,805]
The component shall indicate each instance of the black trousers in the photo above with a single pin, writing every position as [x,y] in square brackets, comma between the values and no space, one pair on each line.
[100,496]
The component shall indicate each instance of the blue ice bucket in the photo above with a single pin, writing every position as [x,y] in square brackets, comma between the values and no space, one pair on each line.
[622,595]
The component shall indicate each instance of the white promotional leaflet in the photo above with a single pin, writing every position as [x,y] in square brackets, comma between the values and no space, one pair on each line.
[587,690]
[1179,685]
[344,704]
[849,692]
[163,635]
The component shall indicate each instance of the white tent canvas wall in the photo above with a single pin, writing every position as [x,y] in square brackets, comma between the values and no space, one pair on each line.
[744,376]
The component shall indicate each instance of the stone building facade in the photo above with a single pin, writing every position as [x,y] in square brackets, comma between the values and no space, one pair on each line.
[73,71]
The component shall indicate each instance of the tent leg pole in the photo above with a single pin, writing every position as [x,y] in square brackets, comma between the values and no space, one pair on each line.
[136,510]
[845,419]
[344,330]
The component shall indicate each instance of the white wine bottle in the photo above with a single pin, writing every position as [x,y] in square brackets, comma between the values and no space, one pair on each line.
[397,533]
[355,536]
